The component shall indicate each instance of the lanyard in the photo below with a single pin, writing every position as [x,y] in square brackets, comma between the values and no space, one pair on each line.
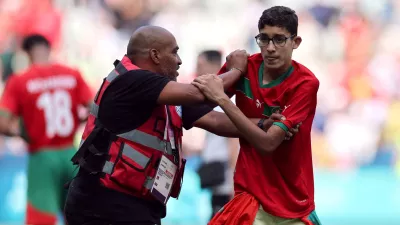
[168,132]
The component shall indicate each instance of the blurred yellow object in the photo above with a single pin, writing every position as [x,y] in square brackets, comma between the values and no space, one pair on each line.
[360,87]
[321,155]
[392,129]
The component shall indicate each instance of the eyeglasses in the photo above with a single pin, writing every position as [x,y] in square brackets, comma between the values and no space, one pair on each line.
[278,40]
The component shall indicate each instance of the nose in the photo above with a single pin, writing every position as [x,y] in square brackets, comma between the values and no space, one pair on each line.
[270,46]
[179,60]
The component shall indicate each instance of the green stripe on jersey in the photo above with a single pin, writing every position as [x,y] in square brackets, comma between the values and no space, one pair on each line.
[244,87]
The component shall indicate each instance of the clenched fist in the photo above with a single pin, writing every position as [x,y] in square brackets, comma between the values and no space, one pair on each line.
[237,59]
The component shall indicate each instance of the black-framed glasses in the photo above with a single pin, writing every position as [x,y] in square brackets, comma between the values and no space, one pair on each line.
[278,40]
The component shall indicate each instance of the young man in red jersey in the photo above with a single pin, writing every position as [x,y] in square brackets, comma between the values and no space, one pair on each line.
[46,98]
[274,181]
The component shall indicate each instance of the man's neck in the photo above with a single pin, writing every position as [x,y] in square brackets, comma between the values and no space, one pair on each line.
[40,62]
[142,63]
[273,74]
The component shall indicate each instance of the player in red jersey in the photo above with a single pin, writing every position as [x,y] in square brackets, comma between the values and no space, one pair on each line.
[46,98]
[274,181]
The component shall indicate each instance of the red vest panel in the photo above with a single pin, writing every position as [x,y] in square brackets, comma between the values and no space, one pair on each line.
[134,156]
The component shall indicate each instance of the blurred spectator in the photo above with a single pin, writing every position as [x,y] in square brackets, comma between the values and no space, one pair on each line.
[38,17]
[219,153]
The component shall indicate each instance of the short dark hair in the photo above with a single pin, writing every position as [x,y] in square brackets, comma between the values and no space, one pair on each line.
[36,39]
[279,16]
[213,56]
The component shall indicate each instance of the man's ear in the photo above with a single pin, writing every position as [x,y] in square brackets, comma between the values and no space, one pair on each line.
[296,42]
[155,56]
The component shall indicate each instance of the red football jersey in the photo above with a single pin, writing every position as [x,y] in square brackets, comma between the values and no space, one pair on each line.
[46,98]
[283,181]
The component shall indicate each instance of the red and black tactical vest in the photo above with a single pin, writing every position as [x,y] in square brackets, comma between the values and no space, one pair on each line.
[130,163]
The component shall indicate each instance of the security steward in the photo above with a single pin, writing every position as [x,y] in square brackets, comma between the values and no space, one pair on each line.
[130,160]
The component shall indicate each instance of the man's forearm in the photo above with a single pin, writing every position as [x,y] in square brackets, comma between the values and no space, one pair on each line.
[226,128]
[230,78]
[175,93]
[246,127]
[8,131]
[9,125]
[219,124]
[9,134]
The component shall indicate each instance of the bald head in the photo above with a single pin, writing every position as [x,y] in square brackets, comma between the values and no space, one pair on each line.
[154,48]
[146,38]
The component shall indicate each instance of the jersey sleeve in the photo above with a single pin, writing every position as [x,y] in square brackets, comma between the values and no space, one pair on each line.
[137,87]
[9,102]
[130,99]
[84,91]
[191,114]
[147,86]
[300,104]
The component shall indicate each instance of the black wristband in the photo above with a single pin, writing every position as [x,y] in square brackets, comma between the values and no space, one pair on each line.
[260,123]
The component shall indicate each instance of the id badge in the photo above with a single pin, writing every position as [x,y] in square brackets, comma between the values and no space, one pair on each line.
[171,138]
[162,185]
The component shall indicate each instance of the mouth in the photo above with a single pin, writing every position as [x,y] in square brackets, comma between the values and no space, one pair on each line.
[271,59]
[176,72]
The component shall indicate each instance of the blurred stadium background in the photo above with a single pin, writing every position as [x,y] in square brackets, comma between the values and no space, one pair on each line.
[353,47]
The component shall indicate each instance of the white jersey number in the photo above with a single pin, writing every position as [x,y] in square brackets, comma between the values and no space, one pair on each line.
[57,112]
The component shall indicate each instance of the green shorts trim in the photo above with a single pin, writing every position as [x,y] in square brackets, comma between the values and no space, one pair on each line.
[314,218]
[264,218]
[48,171]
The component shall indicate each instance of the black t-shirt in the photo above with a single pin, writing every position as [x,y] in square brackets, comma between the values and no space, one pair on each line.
[125,105]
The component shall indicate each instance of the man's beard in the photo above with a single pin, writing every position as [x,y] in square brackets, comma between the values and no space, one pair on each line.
[169,75]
